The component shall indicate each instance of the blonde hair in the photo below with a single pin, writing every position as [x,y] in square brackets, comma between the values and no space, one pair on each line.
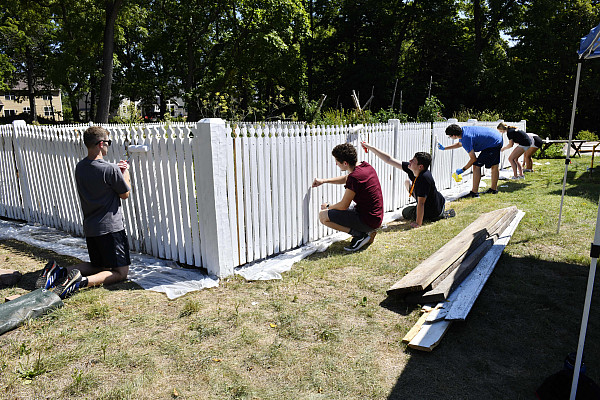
[503,127]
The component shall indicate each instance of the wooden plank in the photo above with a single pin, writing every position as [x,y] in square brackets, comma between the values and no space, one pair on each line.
[415,329]
[442,290]
[425,273]
[470,288]
[429,335]
[239,187]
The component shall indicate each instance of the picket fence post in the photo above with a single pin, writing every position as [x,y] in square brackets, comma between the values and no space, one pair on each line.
[395,123]
[22,172]
[210,155]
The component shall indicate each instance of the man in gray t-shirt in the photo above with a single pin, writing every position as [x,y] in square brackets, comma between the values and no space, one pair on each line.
[101,186]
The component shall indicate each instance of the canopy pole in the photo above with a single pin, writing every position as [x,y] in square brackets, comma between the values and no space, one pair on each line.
[568,159]
[586,308]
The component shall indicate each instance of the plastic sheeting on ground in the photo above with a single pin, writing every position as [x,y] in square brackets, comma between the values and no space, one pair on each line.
[149,272]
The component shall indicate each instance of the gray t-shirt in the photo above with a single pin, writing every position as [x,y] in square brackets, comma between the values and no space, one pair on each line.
[99,185]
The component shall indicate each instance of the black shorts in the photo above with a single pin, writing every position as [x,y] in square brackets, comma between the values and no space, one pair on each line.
[537,141]
[349,218]
[488,157]
[109,251]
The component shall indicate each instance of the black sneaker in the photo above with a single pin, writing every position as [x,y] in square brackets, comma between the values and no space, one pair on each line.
[69,285]
[358,242]
[449,213]
[490,191]
[472,194]
[50,275]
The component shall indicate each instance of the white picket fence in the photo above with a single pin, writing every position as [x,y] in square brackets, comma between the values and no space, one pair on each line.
[211,194]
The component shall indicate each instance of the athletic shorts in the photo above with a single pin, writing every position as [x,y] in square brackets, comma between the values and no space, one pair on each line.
[488,157]
[537,141]
[109,251]
[350,219]
[524,147]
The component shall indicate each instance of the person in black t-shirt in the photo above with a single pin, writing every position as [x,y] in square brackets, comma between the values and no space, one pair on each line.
[420,185]
[519,137]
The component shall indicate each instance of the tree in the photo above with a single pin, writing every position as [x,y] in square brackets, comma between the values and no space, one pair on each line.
[27,33]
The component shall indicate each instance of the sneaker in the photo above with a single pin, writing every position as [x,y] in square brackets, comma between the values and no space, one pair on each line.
[472,194]
[521,177]
[50,275]
[490,191]
[69,285]
[513,178]
[358,242]
[449,213]
[527,170]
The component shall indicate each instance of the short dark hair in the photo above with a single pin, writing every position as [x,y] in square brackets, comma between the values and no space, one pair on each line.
[454,130]
[93,135]
[345,152]
[423,159]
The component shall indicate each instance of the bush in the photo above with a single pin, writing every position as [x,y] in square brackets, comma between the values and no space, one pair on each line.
[586,135]
[554,151]
[431,111]
[485,115]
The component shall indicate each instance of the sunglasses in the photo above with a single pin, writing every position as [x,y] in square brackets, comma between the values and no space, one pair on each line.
[108,142]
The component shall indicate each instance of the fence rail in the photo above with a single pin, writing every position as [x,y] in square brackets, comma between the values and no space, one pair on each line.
[212,194]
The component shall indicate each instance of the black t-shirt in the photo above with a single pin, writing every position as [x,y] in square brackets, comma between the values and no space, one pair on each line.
[425,187]
[518,137]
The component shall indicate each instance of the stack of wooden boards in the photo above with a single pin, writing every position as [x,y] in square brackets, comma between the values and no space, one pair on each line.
[454,275]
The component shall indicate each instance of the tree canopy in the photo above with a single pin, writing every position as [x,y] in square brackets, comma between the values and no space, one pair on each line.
[268,59]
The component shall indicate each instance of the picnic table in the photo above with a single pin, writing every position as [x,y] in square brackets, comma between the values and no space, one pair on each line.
[575,145]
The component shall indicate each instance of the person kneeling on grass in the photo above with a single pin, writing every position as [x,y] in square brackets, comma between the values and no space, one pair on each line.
[362,187]
[420,184]
[101,186]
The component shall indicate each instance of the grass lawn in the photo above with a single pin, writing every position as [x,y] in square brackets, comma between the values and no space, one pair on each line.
[327,330]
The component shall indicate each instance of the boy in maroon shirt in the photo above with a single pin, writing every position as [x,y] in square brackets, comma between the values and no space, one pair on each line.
[362,187]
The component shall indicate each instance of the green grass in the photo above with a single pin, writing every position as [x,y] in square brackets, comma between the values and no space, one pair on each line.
[327,330]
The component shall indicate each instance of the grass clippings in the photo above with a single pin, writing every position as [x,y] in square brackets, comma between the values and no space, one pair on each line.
[327,330]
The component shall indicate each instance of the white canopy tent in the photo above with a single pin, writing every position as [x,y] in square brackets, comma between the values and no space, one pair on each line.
[589,48]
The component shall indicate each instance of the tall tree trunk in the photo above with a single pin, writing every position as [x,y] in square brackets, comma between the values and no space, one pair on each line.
[193,114]
[74,103]
[112,9]
[30,83]
[92,108]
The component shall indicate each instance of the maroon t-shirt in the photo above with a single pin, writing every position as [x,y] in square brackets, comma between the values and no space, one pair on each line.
[369,200]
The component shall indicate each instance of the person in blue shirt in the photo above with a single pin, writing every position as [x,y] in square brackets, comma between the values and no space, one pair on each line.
[477,139]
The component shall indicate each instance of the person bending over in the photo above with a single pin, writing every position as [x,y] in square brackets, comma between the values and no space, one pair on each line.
[420,185]
[524,142]
[101,186]
[536,143]
[487,142]
[362,188]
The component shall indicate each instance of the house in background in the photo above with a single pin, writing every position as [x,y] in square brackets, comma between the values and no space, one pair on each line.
[48,102]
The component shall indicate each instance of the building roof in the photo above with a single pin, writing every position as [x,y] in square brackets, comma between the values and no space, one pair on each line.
[22,85]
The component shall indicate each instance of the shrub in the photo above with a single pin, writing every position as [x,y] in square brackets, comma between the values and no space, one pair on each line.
[485,115]
[554,151]
[586,135]
[431,111]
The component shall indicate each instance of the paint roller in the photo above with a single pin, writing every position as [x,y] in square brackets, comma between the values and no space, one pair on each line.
[357,129]
[135,148]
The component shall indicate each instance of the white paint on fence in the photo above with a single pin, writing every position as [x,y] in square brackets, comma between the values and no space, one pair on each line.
[210,195]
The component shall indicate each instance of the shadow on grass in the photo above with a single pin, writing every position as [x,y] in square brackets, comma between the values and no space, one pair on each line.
[523,324]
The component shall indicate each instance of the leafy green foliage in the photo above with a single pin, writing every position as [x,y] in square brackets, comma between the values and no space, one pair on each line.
[485,115]
[431,111]
[553,151]
[586,135]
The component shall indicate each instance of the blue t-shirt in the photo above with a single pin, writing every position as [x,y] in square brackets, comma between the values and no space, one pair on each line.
[479,138]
